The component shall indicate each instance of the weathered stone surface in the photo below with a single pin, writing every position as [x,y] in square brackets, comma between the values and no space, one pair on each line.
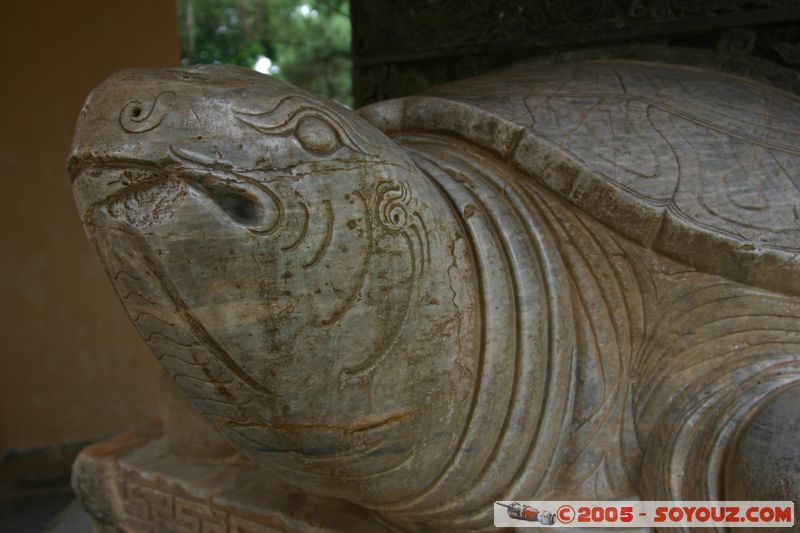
[577,281]
[188,433]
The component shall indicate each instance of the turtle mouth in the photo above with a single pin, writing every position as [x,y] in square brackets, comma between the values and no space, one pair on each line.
[244,201]
[80,164]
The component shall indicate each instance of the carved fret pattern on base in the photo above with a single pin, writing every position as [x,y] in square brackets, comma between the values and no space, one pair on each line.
[148,507]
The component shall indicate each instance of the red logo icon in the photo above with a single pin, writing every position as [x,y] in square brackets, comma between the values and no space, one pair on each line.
[565,514]
[518,511]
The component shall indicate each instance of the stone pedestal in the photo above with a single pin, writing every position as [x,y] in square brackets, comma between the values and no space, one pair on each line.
[134,482]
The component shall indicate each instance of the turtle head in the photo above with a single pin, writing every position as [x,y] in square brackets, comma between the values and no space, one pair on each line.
[289,266]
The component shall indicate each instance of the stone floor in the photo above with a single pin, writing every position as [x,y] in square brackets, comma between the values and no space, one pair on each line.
[51,513]
[71,520]
[35,494]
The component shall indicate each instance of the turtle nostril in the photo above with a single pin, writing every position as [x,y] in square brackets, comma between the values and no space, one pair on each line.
[247,204]
[241,206]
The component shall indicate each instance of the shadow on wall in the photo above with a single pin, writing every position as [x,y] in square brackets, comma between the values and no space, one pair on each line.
[72,367]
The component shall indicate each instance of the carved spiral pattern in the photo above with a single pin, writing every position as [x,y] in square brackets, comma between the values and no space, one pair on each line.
[137,117]
[737,42]
[393,201]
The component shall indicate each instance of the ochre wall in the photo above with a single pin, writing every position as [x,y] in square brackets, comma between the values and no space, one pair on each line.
[72,367]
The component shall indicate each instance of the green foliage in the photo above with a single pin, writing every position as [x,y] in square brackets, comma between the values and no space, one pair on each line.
[308,41]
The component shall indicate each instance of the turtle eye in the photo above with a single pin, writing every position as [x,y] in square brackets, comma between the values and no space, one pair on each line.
[317,136]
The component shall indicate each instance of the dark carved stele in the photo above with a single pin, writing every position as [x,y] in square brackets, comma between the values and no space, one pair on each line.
[400,48]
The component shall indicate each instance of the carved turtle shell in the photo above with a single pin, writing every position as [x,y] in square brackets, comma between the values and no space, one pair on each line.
[697,165]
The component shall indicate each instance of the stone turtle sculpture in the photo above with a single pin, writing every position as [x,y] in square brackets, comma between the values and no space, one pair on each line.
[576,281]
